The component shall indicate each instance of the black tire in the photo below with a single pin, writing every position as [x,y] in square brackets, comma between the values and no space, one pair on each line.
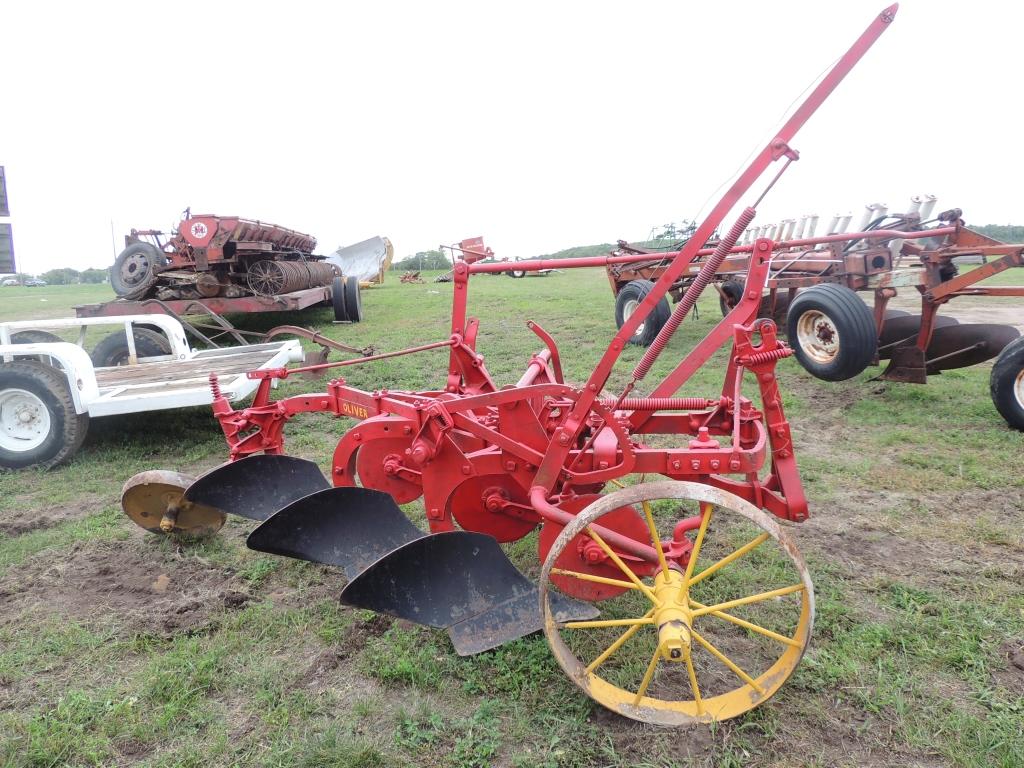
[32,336]
[516,273]
[135,270]
[338,300]
[353,299]
[832,332]
[43,391]
[627,301]
[1006,383]
[113,349]
[733,292]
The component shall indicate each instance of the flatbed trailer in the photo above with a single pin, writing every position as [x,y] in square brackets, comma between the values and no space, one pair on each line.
[285,302]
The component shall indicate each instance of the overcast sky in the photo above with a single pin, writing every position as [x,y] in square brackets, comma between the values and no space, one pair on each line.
[537,125]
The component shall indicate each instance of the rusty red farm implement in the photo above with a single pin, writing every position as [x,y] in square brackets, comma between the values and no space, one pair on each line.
[811,288]
[668,601]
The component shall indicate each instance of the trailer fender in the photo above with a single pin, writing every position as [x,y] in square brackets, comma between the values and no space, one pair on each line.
[69,359]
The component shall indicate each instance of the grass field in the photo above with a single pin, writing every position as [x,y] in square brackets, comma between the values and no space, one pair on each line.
[118,647]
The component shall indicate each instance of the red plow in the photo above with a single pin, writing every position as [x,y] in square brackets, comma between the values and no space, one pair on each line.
[669,601]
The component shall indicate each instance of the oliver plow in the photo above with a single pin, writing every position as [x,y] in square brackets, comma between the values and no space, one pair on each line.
[670,601]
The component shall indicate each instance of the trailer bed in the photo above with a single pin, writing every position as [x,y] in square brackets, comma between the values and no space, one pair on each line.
[285,302]
[179,383]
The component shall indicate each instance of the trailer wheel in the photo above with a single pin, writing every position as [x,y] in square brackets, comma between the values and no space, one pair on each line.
[135,270]
[353,300]
[832,332]
[113,349]
[338,300]
[38,423]
[1006,384]
[32,336]
[628,301]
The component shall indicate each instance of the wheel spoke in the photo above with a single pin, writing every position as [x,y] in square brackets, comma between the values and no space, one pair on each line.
[648,676]
[594,578]
[729,558]
[747,600]
[598,623]
[693,684]
[611,649]
[654,537]
[622,566]
[705,510]
[749,625]
[728,662]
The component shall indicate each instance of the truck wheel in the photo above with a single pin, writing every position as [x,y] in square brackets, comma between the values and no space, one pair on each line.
[38,423]
[1006,383]
[135,270]
[832,332]
[516,273]
[353,300]
[113,349]
[628,301]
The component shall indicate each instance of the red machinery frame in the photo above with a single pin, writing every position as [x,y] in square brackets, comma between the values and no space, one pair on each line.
[557,440]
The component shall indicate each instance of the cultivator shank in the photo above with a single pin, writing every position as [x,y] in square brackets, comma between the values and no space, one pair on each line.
[494,464]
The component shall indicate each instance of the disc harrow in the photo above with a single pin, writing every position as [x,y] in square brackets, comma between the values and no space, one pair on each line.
[670,601]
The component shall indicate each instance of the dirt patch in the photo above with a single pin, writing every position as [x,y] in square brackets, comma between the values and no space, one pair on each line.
[142,589]
[25,516]
[356,638]
[1009,673]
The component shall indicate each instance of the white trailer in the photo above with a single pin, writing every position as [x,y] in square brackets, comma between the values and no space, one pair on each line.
[50,388]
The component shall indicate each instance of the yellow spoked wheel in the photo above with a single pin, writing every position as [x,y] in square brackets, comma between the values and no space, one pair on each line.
[695,640]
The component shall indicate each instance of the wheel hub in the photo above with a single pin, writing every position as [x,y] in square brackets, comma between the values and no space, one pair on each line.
[818,336]
[627,312]
[672,615]
[24,420]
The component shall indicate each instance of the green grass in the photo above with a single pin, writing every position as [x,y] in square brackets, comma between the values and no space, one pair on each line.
[914,545]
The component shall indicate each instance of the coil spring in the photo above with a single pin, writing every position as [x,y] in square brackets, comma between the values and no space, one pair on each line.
[214,386]
[660,403]
[760,358]
[700,282]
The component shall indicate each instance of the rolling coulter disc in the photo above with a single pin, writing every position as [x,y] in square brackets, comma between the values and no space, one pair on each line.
[154,501]
[469,502]
[574,557]
[700,643]
[257,486]
[372,460]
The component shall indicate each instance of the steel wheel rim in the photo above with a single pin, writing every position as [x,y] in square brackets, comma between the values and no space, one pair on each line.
[627,312]
[135,269]
[24,421]
[1018,388]
[634,703]
[818,336]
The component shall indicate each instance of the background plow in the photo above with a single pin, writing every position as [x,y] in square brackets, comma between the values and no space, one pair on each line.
[668,601]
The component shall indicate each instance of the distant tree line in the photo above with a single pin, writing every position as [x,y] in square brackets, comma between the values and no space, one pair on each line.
[67,276]
[1007,233]
[423,260]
